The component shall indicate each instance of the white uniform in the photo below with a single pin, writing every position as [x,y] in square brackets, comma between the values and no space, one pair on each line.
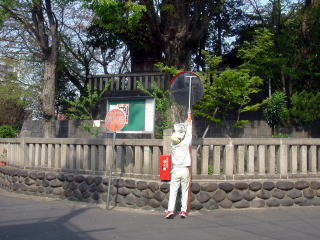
[181,160]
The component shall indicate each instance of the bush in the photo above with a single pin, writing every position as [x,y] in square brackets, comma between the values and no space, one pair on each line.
[7,131]
[275,110]
[305,108]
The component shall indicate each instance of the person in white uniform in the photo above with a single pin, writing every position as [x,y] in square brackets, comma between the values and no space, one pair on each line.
[181,161]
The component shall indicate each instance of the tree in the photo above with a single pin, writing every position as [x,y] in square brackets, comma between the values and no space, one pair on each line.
[86,49]
[275,110]
[260,57]
[86,107]
[150,28]
[40,26]
[225,24]
[13,104]
[305,108]
[227,94]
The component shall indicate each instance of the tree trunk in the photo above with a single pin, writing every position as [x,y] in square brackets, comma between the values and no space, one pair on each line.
[308,5]
[144,60]
[46,31]
[178,53]
[179,113]
[48,95]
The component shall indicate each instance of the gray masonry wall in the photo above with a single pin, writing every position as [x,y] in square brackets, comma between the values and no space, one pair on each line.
[142,194]
[254,129]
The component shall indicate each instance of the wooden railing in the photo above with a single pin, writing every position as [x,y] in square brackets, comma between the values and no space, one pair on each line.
[128,82]
[216,158]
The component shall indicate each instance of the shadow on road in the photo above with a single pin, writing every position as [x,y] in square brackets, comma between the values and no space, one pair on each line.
[49,228]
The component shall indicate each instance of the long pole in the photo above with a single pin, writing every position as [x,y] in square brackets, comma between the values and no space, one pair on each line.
[189,105]
[110,168]
[190,148]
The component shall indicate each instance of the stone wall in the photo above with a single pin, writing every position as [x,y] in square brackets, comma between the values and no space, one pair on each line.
[154,195]
[254,129]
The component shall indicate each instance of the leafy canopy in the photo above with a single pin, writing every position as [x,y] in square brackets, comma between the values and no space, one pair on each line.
[227,93]
[86,107]
[123,18]
[305,108]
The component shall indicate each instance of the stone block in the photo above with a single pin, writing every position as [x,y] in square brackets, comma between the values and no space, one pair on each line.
[130,183]
[131,199]
[227,187]
[286,202]
[141,202]
[136,192]
[308,193]
[241,185]
[226,203]
[235,196]
[142,185]
[209,187]
[268,186]
[249,195]
[285,185]
[203,197]
[211,204]
[301,185]
[154,203]
[153,186]
[264,194]
[255,186]
[273,202]
[123,191]
[147,193]
[51,176]
[165,187]
[315,185]
[195,188]
[258,203]
[242,204]
[195,205]
[294,193]
[159,196]
[219,195]
[277,193]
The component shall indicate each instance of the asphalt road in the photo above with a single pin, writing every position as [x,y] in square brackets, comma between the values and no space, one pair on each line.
[27,217]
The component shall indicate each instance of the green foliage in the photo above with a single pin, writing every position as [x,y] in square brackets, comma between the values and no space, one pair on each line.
[163,105]
[86,107]
[124,19]
[211,170]
[280,135]
[168,9]
[259,55]
[305,108]
[8,131]
[275,110]
[168,69]
[87,126]
[212,62]
[227,94]
[136,12]
[13,103]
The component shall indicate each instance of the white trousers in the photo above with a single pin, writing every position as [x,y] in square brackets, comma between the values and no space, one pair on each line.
[179,176]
